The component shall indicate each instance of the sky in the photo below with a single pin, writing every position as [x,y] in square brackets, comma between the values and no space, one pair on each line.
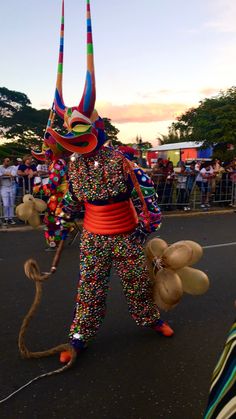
[154,59]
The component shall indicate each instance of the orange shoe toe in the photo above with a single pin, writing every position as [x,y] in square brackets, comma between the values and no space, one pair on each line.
[164,329]
[65,357]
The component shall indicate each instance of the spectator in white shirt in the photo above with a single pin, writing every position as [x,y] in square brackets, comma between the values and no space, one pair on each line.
[7,179]
[42,169]
[203,181]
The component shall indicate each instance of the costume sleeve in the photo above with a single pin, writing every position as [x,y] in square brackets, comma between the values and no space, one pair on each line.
[62,206]
[221,399]
[149,194]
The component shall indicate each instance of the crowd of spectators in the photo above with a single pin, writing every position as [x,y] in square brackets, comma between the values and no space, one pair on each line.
[215,182]
[16,179]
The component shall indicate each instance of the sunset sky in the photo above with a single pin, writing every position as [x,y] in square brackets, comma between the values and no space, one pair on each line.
[154,59]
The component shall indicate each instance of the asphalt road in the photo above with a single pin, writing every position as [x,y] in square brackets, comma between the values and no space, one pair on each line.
[127,372]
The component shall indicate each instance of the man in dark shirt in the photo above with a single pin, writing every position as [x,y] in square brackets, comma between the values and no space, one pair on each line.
[26,172]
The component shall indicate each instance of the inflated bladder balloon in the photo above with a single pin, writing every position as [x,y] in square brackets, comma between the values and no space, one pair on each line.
[25,210]
[40,205]
[177,256]
[30,209]
[159,302]
[28,197]
[195,282]
[155,247]
[169,286]
[197,250]
[170,275]
[34,220]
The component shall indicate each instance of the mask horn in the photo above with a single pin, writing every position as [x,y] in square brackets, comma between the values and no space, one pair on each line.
[58,99]
[87,102]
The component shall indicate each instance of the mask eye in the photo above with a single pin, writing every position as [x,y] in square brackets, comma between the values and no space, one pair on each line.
[75,123]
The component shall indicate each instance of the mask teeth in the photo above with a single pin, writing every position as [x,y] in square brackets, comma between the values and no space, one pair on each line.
[87,102]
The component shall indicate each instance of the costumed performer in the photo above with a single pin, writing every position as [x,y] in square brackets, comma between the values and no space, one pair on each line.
[119,211]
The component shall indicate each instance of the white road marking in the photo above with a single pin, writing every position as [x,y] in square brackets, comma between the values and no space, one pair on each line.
[219,245]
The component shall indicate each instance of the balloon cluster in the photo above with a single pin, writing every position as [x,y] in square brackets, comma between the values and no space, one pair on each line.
[170,273]
[30,210]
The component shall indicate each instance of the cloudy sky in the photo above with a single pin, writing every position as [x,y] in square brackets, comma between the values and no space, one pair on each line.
[154,59]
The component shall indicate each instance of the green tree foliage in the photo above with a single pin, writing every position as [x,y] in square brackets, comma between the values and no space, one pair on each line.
[111,133]
[12,150]
[142,145]
[11,102]
[213,121]
[224,152]
[19,122]
[174,136]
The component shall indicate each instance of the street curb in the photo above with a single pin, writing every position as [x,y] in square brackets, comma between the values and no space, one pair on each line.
[197,213]
[19,228]
[23,228]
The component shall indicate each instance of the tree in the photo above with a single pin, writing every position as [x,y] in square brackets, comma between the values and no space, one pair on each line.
[111,132]
[19,121]
[223,152]
[213,121]
[11,102]
[142,145]
[174,136]
[12,150]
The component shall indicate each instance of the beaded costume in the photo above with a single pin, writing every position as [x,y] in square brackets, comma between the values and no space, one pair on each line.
[119,202]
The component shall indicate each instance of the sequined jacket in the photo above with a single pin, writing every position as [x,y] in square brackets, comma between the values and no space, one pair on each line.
[103,178]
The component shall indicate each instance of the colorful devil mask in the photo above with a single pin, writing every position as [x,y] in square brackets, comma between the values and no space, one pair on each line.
[84,128]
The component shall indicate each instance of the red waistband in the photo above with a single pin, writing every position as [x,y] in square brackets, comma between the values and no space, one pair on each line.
[117,218]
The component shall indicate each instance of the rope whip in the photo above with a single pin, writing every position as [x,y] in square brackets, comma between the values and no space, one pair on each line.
[32,272]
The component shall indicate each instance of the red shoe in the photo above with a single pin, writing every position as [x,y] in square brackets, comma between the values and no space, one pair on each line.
[65,357]
[163,328]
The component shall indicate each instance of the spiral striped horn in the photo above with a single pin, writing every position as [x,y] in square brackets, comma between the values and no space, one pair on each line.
[87,102]
[58,99]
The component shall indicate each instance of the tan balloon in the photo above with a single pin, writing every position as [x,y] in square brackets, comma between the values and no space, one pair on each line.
[28,197]
[155,248]
[195,282]
[177,256]
[24,211]
[34,220]
[197,250]
[160,303]
[40,205]
[150,268]
[169,286]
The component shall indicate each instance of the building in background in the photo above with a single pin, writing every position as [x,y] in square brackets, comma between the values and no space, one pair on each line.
[186,151]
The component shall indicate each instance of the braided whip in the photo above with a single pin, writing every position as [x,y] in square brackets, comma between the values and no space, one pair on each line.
[32,271]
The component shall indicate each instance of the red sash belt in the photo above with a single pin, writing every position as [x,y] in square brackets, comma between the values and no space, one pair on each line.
[117,218]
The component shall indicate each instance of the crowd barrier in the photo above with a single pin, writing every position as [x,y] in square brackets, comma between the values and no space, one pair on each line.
[172,194]
[18,189]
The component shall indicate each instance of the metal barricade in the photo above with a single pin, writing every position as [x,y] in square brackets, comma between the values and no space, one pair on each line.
[20,186]
[172,195]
